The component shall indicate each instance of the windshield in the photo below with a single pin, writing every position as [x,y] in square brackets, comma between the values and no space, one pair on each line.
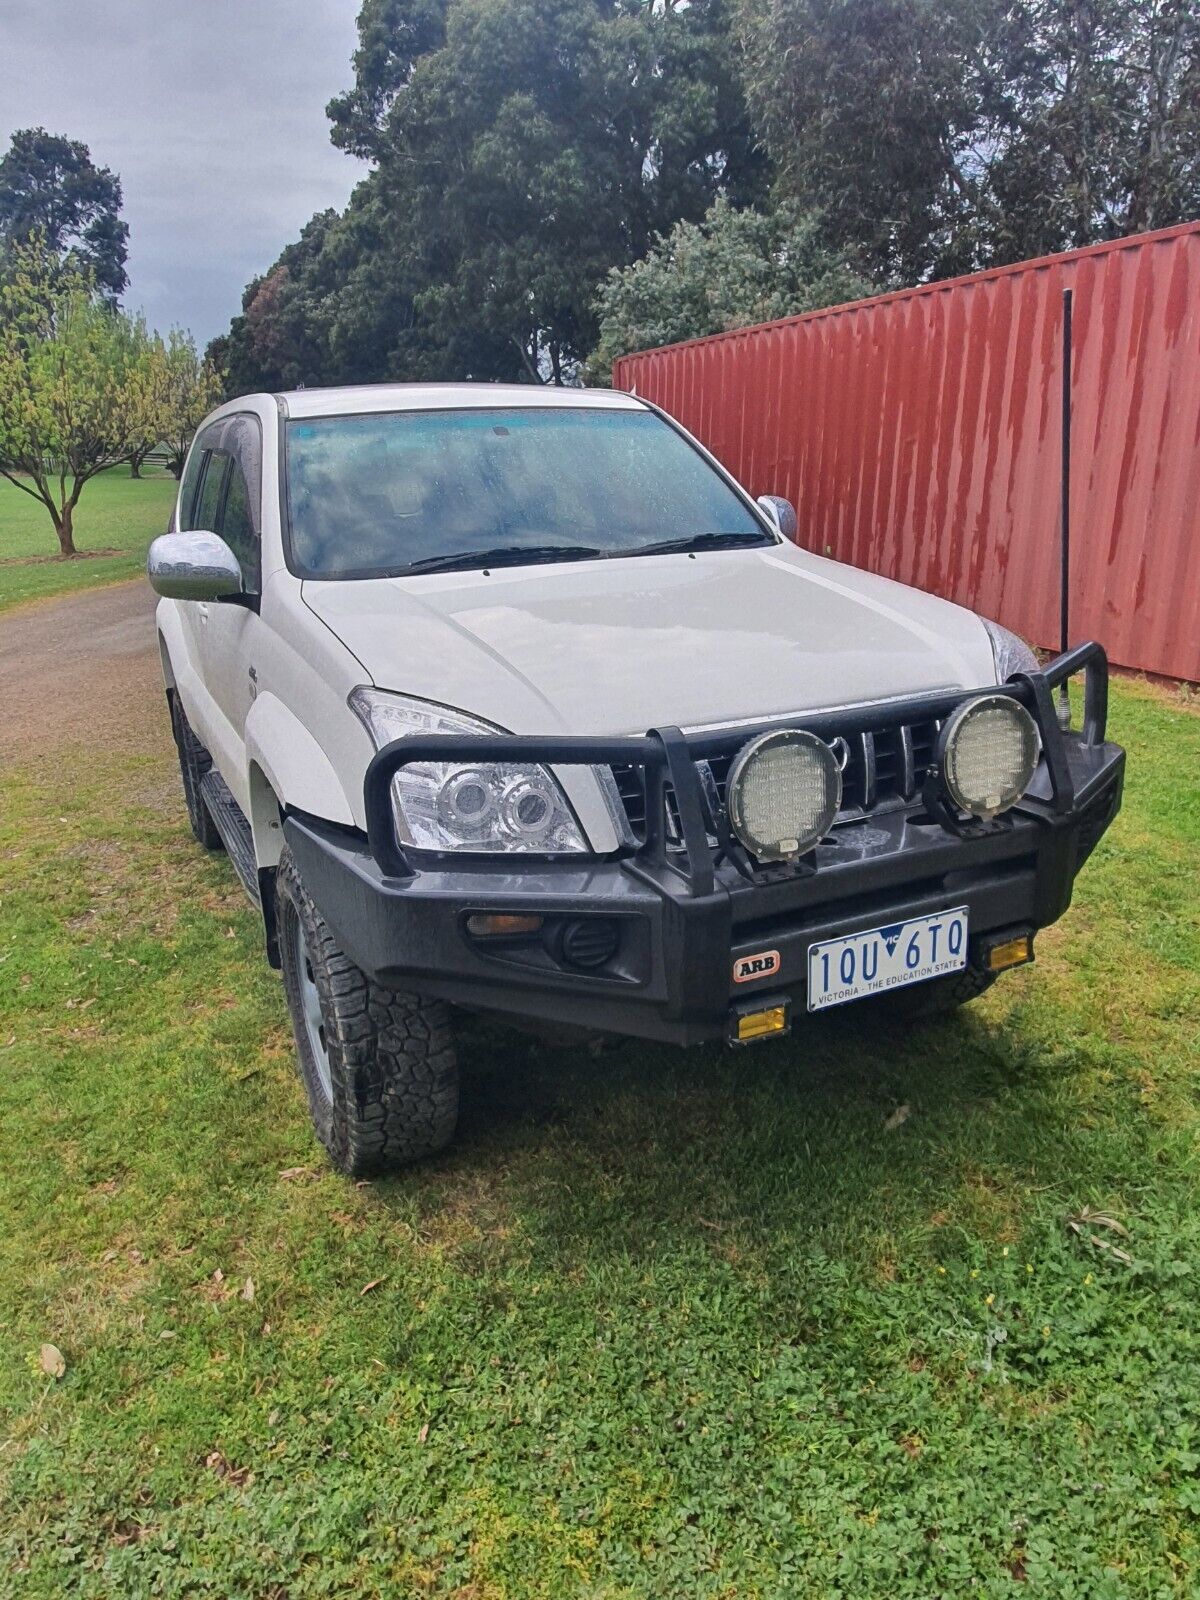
[387,493]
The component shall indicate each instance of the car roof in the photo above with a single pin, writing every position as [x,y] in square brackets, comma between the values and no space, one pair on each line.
[368,397]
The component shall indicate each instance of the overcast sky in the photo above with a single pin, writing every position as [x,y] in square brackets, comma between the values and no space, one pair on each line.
[213,114]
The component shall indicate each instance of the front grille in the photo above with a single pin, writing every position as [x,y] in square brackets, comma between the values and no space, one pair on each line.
[882,771]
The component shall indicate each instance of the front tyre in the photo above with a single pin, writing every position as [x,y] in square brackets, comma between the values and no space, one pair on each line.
[378,1066]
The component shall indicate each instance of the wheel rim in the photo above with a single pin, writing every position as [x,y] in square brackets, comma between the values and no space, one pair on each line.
[310,1006]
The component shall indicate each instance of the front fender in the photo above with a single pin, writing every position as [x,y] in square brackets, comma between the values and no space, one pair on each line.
[298,771]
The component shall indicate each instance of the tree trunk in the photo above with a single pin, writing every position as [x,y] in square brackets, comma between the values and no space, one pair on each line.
[63,527]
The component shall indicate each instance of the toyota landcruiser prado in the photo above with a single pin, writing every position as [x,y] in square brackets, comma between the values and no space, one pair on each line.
[512,699]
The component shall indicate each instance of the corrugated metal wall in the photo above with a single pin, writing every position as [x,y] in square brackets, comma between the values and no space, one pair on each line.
[918,435]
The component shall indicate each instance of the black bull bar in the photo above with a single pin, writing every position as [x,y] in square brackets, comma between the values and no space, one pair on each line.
[1072,771]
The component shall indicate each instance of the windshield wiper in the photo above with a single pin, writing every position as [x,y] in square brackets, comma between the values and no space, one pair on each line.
[698,541]
[506,556]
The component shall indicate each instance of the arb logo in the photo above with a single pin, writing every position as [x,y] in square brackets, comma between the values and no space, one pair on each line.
[763,965]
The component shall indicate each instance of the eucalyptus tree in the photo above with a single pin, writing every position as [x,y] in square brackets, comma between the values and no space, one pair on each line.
[937,136]
[50,188]
[520,149]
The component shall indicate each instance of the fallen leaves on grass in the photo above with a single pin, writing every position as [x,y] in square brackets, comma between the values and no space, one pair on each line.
[897,1118]
[374,1284]
[52,1361]
[247,1292]
[241,1476]
[294,1174]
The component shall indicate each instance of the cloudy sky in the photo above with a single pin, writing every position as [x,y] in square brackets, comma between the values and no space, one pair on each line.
[213,114]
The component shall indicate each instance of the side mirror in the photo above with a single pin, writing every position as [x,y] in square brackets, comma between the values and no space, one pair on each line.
[193,566]
[780,512]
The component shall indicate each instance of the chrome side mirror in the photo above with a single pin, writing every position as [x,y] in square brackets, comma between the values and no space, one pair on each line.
[193,566]
[781,514]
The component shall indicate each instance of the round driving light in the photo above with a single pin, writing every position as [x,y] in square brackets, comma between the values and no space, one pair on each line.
[987,751]
[784,791]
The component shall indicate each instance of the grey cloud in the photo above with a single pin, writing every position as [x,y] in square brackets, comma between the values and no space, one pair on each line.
[213,113]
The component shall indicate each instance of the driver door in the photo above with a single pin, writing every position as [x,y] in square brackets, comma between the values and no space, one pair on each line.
[229,631]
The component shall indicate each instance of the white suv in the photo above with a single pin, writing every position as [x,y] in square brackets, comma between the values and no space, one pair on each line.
[512,699]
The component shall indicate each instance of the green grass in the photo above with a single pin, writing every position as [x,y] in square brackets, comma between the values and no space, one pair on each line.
[115,512]
[661,1324]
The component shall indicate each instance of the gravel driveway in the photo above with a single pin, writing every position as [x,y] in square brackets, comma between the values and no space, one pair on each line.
[81,669]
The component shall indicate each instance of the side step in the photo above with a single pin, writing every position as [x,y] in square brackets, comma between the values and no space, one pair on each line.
[231,824]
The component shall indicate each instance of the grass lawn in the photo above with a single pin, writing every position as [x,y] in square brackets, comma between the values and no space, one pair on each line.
[115,512]
[661,1324]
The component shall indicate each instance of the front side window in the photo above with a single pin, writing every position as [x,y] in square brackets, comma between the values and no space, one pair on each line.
[237,525]
[191,482]
[208,503]
[400,492]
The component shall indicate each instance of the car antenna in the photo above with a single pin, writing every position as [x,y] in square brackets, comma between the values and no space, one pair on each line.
[1064,581]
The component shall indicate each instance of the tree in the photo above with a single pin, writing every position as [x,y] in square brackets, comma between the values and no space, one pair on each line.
[151,377]
[50,188]
[191,386]
[1106,125]
[546,141]
[733,269]
[393,35]
[522,148]
[938,136]
[71,399]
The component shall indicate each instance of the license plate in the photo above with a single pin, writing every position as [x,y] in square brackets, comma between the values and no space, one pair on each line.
[879,959]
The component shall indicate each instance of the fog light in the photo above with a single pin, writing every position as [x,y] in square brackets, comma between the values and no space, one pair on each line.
[499,925]
[987,752]
[1009,953]
[589,942]
[758,1024]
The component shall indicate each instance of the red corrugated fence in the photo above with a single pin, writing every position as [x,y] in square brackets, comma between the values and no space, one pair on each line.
[918,435]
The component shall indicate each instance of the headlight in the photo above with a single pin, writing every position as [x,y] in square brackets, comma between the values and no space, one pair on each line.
[987,751]
[783,793]
[477,806]
[1009,651]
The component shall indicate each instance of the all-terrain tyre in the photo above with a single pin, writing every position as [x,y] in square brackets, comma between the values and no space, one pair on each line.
[378,1066]
[939,995]
[194,762]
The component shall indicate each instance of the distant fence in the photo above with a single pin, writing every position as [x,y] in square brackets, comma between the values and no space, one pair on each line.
[918,434]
